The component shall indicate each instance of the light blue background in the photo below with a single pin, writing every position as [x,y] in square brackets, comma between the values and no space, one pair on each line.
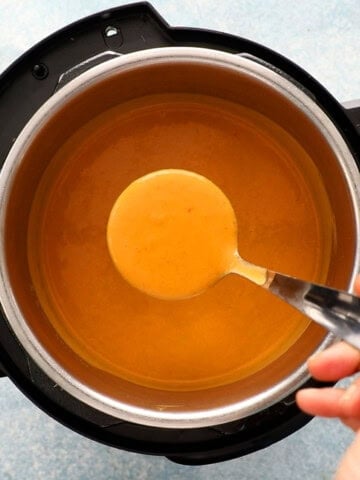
[323,36]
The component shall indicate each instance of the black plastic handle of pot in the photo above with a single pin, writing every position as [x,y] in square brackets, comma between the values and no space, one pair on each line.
[2,372]
[352,110]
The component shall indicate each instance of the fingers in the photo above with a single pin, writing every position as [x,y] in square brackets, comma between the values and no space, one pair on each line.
[334,363]
[325,402]
[333,402]
[350,401]
[338,361]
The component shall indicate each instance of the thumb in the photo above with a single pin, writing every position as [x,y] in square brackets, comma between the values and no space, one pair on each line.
[349,467]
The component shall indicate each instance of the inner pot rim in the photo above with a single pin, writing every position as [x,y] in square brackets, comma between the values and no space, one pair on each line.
[91,77]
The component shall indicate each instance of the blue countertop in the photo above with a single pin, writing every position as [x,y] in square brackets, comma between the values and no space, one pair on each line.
[323,37]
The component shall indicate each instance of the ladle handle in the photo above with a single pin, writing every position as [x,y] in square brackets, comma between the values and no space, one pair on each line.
[338,311]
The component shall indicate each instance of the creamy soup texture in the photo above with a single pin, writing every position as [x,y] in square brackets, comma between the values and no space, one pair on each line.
[232,329]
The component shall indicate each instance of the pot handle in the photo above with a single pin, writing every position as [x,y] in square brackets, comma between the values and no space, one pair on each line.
[352,110]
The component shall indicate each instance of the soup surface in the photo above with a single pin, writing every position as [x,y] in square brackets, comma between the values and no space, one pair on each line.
[234,328]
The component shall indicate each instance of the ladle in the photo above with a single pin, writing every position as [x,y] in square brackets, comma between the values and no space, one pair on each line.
[150,208]
[336,310]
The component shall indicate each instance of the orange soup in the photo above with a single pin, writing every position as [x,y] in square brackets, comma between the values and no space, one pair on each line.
[234,328]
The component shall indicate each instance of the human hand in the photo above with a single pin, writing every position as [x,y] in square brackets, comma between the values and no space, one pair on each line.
[335,363]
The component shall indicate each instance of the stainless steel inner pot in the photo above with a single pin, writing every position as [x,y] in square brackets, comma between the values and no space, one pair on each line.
[175,69]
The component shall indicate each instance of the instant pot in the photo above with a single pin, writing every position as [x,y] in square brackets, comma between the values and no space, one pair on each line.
[56,72]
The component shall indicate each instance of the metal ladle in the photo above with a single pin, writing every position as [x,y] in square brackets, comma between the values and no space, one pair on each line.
[336,310]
